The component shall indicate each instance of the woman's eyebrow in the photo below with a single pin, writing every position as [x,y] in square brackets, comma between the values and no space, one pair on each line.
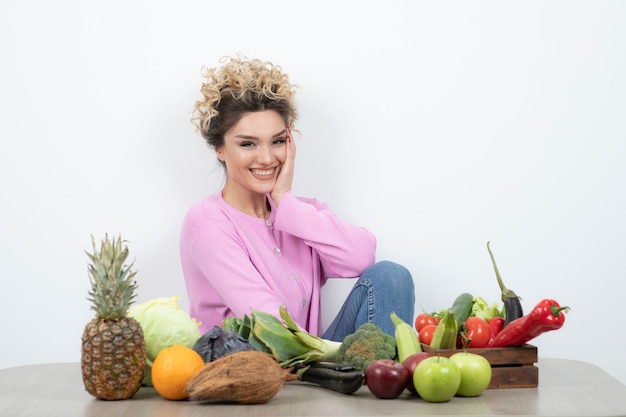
[282,132]
[242,136]
[277,135]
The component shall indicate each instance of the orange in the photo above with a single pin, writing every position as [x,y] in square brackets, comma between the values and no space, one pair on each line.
[172,368]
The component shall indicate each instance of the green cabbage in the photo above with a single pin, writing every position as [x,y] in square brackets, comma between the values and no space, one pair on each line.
[164,324]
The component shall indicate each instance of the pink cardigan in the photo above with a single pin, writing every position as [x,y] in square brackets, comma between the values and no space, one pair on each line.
[233,262]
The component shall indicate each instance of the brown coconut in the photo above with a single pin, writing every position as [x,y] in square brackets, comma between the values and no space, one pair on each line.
[247,377]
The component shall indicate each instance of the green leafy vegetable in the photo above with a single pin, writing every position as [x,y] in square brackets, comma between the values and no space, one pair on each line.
[164,324]
[482,309]
[282,337]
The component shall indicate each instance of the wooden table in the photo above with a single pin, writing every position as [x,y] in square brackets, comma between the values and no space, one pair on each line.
[566,388]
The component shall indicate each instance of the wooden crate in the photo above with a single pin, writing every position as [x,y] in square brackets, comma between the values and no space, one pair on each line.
[512,367]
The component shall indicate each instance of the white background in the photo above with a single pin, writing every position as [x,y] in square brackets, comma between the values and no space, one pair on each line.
[438,125]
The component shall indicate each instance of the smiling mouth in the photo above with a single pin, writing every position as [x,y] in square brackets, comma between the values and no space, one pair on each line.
[263,172]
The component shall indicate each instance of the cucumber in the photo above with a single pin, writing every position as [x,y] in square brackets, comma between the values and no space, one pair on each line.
[462,307]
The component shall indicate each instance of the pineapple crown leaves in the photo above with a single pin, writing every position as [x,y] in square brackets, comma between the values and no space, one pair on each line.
[112,285]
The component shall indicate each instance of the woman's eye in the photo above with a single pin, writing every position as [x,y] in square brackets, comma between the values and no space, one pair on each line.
[246,144]
[280,141]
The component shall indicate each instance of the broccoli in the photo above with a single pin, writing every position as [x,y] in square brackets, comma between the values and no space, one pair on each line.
[367,344]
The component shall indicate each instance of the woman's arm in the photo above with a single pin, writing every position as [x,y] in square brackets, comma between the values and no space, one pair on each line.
[345,250]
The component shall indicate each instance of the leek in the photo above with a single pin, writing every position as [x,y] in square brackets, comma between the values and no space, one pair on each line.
[283,338]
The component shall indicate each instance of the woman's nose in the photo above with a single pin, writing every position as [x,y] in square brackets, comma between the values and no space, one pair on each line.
[265,154]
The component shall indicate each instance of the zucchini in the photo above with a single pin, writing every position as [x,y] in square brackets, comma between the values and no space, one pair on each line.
[407,339]
[339,367]
[344,382]
[446,332]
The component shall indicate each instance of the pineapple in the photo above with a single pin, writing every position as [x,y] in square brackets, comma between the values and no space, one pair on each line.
[113,355]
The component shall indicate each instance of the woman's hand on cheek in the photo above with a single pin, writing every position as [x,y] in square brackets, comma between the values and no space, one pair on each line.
[285,177]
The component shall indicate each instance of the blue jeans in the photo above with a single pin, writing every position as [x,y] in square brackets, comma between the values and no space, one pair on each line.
[383,288]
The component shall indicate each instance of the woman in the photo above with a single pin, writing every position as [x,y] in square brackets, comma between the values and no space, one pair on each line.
[254,245]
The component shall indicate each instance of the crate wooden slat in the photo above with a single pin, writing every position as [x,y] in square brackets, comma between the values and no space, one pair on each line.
[512,367]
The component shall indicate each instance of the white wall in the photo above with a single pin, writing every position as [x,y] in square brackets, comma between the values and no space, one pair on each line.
[438,125]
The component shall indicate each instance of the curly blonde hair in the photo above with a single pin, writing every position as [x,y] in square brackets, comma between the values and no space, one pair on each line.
[241,86]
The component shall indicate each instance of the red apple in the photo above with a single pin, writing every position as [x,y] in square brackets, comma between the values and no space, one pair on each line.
[410,364]
[386,378]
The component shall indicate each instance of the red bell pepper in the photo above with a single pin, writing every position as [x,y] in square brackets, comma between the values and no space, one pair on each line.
[496,324]
[547,315]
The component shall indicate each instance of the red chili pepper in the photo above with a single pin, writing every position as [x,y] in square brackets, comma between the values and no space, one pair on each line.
[547,315]
[496,325]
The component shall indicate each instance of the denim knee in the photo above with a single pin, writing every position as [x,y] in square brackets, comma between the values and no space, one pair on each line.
[391,289]
[397,278]
[382,288]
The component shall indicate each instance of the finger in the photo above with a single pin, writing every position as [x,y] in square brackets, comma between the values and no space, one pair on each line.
[291,145]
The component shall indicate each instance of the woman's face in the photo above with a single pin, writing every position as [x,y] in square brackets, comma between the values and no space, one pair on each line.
[253,153]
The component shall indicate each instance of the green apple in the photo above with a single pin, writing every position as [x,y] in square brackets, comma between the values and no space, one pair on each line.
[437,379]
[475,373]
